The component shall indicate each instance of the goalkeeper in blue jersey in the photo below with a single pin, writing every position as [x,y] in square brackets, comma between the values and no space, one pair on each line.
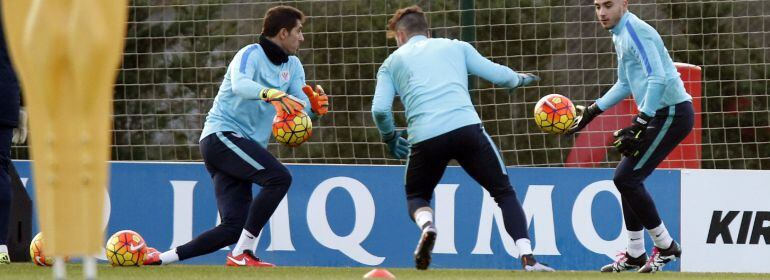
[431,77]
[263,80]
[665,118]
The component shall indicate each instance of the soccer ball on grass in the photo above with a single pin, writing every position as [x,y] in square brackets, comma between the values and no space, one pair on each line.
[126,248]
[36,251]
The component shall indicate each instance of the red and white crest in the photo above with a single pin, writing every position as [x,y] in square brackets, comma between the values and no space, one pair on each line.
[285,76]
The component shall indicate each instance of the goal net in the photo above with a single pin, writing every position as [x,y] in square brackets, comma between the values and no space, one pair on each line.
[177,51]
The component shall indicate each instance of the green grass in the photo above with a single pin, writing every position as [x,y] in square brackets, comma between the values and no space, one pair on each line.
[177,272]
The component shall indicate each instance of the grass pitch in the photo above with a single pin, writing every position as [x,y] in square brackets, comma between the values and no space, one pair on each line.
[178,272]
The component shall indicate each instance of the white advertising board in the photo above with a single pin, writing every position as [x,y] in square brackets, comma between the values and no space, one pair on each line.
[725,220]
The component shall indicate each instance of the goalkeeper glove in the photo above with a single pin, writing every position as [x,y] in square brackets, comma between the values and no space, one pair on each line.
[319,101]
[283,103]
[584,116]
[628,140]
[20,132]
[398,146]
[526,79]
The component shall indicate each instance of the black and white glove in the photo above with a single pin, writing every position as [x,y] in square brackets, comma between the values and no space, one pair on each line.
[584,116]
[628,140]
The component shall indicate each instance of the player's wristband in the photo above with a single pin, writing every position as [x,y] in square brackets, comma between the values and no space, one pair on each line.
[641,119]
[271,94]
[387,137]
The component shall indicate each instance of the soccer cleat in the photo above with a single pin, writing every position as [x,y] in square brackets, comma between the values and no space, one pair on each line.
[152,257]
[529,264]
[660,257]
[625,262]
[425,247]
[4,258]
[246,259]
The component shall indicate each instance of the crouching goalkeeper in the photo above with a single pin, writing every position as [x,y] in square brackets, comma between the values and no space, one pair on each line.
[263,80]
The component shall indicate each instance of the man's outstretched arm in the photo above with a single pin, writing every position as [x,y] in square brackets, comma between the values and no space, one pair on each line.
[497,74]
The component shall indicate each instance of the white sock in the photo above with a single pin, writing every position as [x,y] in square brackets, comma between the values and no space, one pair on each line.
[3,249]
[423,216]
[660,236]
[525,247]
[635,246]
[169,256]
[246,242]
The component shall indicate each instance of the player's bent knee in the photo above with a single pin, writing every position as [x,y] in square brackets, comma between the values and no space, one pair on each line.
[627,186]
[500,193]
[624,181]
[619,181]
[283,181]
[280,179]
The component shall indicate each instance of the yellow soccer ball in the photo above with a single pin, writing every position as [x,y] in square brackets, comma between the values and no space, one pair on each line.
[36,251]
[292,129]
[126,248]
[554,114]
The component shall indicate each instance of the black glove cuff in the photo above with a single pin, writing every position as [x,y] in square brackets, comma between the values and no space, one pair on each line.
[593,111]
[388,137]
[642,119]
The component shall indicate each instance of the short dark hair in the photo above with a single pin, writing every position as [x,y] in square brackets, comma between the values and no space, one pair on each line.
[411,19]
[279,17]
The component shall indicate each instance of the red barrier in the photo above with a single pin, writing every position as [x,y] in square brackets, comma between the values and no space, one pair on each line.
[591,144]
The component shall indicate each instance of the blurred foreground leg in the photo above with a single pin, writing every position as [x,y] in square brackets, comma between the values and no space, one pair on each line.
[67,54]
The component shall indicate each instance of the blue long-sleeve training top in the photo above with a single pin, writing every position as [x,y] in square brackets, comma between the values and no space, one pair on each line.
[237,106]
[431,78]
[644,69]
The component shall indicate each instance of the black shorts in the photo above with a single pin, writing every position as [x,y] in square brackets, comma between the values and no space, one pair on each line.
[473,149]
[235,163]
